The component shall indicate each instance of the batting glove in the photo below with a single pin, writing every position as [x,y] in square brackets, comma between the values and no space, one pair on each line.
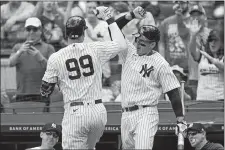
[181,128]
[103,13]
[139,12]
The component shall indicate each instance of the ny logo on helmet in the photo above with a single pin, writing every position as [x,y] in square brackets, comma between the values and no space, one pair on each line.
[146,70]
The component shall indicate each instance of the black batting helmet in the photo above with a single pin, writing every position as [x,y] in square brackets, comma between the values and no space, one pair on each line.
[75,27]
[150,32]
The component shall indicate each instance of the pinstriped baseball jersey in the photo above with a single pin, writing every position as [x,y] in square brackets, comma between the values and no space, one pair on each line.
[144,78]
[78,69]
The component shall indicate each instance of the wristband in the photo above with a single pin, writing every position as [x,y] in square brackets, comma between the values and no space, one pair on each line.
[110,21]
[132,15]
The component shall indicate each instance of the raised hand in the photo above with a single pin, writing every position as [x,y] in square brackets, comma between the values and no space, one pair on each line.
[24,47]
[210,58]
[194,26]
[103,12]
[139,12]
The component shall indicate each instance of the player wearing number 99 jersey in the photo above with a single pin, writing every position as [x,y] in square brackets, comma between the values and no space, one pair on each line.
[77,69]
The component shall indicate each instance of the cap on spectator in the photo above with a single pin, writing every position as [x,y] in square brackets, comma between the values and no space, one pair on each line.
[197,8]
[179,69]
[213,35]
[196,127]
[33,21]
[52,127]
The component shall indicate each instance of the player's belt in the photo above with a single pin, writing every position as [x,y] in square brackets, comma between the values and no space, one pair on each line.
[135,107]
[83,103]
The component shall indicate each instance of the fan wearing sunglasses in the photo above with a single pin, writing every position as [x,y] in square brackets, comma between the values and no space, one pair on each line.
[196,134]
[50,136]
[145,76]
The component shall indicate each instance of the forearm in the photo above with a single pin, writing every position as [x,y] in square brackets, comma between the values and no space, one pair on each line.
[193,48]
[218,64]
[117,35]
[46,89]
[123,20]
[38,9]
[175,98]
[14,58]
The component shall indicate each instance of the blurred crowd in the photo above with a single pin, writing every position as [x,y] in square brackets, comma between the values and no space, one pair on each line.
[195,51]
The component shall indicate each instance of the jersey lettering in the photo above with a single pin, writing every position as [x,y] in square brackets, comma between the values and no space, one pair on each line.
[73,66]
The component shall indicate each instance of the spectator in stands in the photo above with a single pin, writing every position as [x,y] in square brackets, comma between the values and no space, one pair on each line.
[173,45]
[77,10]
[211,64]
[154,9]
[13,16]
[30,60]
[119,8]
[196,134]
[116,89]
[50,136]
[4,99]
[52,22]
[97,31]
[73,9]
[181,76]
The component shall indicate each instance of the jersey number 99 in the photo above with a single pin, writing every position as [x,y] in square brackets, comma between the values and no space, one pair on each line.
[75,67]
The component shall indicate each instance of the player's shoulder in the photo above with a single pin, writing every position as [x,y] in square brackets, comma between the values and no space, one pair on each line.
[159,59]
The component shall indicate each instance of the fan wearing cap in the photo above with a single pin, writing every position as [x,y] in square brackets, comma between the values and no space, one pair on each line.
[210,57]
[175,36]
[145,76]
[30,58]
[50,136]
[174,40]
[196,134]
[181,76]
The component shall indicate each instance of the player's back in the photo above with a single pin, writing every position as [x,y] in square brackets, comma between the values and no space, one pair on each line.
[79,72]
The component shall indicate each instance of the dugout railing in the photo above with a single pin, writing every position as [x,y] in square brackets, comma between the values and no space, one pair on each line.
[21,129]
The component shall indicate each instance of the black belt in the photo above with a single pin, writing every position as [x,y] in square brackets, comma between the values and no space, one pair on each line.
[135,107]
[82,103]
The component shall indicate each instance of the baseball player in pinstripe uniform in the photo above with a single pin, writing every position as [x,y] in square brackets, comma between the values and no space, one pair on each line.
[145,76]
[77,69]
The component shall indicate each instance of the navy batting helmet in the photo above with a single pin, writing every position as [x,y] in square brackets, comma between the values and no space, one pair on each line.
[150,32]
[75,27]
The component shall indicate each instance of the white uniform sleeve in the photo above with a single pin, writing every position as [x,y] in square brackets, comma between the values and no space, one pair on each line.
[167,79]
[106,50]
[123,54]
[51,73]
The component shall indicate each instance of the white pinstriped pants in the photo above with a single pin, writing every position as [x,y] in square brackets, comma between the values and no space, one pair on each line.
[83,125]
[139,127]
